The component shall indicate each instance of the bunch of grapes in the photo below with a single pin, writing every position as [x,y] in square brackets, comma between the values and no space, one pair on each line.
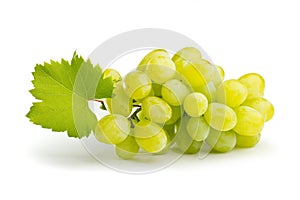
[182,102]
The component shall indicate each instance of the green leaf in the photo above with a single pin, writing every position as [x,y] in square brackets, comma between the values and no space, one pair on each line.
[64,90]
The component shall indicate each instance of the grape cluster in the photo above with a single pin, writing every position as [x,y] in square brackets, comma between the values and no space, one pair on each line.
[182,102]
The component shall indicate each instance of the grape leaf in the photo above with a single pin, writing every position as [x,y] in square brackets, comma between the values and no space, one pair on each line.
[64,90]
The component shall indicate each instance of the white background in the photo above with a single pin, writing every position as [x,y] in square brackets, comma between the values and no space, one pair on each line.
[241,36]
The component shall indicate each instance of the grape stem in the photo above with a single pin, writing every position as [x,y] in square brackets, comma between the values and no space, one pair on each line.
[103,107]
[134,117]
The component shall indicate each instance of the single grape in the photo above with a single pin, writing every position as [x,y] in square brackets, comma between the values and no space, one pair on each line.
[185,143]
[150,136]
[120,103]
[195,104]
[112,129]
[221,72]
[223,141]
[247,141]
[170,133]
[156,109]
[174,92]
[261,105]
[255,84]
[146,129]
[160,69]
[137,85]
[249,121]
[127,149]
[189,70]
[113,74]
[153,54]
[220,117]
[189,54]
[197,128]
[176,114]
[232,93]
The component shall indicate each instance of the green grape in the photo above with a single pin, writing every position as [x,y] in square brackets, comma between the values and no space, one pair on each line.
[220,117]
[170,133]
[137,85]
[185,143]
[112,129]
[127,149]
[221,141]
[221,71]
[160,69]
[156,89]
[249,121]
[150,136]
[189,70]
[211,73]
[120,103]
[255,84]
[195,104]
[153,54]
[247,141]
[189,54]
[156,109]
[209,90]
[113,74]
[232,93]
[261,105]
[174,92]
[197,128]
[176,114]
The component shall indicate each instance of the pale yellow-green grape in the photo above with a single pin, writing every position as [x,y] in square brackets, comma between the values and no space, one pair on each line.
[223,141]
[160,69]
[185,143]
[209,90]
[176,114]
[127,149]
[220,117]
[112,129]
[150,136]
[232,93]
[169,142]
[195,104]
[197,128]
[249,121]
[153,54]
[146,129]
[191,73]
[261,105]
[156,89]
[174,92]
[211,73]
[187,54]
[221,71]
[137,85]
[156,109]
[255,84]
[120,103]
[113,74]
[247,141]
